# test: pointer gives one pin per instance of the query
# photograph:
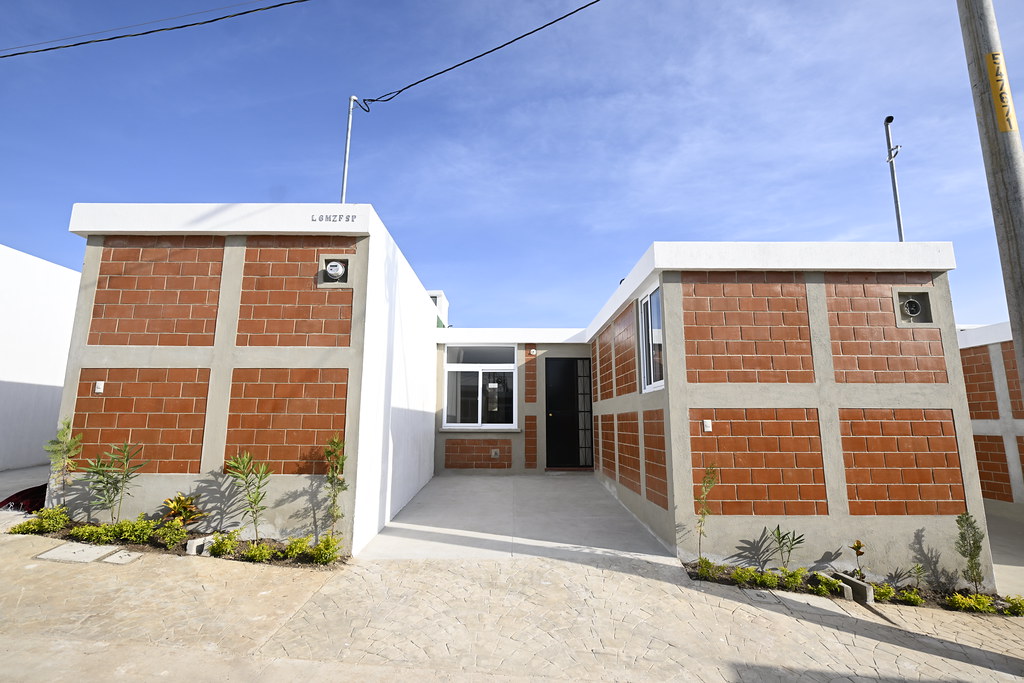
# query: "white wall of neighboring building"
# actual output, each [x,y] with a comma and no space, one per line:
[37,302]
[396,414]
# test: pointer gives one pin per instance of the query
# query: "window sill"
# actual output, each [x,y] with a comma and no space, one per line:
[478,430]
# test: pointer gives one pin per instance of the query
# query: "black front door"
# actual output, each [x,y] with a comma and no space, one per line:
[569,422]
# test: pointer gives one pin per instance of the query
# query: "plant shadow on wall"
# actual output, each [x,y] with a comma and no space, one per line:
[221,499]
[943,580]
[760,551]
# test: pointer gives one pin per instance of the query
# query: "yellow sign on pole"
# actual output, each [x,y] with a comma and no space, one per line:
[1001,97]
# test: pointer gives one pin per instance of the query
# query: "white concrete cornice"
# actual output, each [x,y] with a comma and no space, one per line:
[510,335]
[983,335]
[224,219]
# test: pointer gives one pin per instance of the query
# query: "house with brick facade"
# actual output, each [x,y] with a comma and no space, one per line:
[822,380]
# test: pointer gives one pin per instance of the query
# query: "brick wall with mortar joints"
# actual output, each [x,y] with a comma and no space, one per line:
[624,343]
[1020,450]
[746,327]
[281,304]
[157,291]
[867,346]
[1012,379]
[530,374]
[284,416]
[901,462]
[530,441]
[161,409]
[655,469]
[980,383]
[769,460]
[627,427]
[476,454]
[993,468]
[607,432]
[605,366]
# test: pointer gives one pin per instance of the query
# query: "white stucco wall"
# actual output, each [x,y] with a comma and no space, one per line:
[37,303]
[396,416]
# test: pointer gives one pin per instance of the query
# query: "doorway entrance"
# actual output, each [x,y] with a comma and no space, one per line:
[569,421]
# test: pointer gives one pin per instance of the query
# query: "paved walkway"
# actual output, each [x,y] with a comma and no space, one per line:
[584,612]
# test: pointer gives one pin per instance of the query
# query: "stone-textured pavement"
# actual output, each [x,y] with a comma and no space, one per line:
[603,617]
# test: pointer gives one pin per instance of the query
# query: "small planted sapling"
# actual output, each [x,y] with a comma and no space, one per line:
[109,479]
[183,508]
[968,544]
[703,510]
[63,449]
[784,543]
[334,455]
[858,550]
[252,479]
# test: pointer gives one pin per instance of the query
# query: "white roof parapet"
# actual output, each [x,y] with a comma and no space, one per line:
[510,335]
[795,256]
[224,219]
[983,335]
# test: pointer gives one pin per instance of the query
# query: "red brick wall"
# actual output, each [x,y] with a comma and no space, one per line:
[655,471]
[770,460]
[281,304]
[161,409]
[607,432]
[157,291]
[993,468]
[530,374]
[981,388]
[867,346]
[901,462]
[530,437]
[476,454]
[1012,380]
[746,327]
[284,416]
[628,450]
[604,369]
[624,329]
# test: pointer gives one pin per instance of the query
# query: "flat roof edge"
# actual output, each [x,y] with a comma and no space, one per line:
[983,335]
[804,256]
[510,335]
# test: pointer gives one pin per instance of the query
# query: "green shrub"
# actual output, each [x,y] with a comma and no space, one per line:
[184,508]
[765,580]
[743,576]
[791,579]
[708,570]
[29,526]
[137,531]
[104,534]
[968,544]
[224,544]
[172,533]
[257,552]
[54,519]
[909,596]
[883,592]
[971,603]
[326,551]
[297,547]
[1014,606]
[826,586]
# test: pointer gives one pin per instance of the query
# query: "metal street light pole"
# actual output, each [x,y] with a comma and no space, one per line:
[892,152]
[1001,149]
[348,143]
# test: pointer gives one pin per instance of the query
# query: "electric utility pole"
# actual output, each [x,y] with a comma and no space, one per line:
[1001,148]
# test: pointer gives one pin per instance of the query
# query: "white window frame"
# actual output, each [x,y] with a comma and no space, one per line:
[481,368]
[646,350]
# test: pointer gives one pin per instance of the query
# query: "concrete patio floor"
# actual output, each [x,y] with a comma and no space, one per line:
[472,516]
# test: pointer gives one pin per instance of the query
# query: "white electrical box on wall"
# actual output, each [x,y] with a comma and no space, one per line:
[707,426]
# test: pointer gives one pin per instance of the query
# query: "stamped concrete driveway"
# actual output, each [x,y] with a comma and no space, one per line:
[470,516]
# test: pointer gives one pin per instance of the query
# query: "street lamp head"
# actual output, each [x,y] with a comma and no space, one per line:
[888,119]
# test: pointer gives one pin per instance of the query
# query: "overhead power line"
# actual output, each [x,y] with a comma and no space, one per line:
[387,97]
[156,30]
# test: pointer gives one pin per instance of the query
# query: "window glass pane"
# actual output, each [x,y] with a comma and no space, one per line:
[486,355]
[463,396]
[657,374]
[497,392]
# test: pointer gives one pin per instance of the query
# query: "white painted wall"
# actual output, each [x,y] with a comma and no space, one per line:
[37,305]
[395,456]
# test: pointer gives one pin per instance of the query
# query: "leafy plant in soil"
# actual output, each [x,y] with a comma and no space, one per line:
[784,543]
[184,508]
[968,544]
[825,586]
[258,552]
[172,533]
[858,551]
[224,544]
[109,479]
[334,455]
[971,603]
[326,551]
[909,596]
[46,521]
[63,449]
[883,592]
[252,479]
[703,510]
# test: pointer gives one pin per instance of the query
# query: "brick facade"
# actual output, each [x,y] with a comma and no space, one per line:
[476,454]
[530,373]
[606,429]
[157,291]
[746,327]
[769,460]
[980,383]
[867,345]
[281,304]
[1012,379]
[284,416]
[655,470]
[603,365]
[624,333]
[993,468]
[901,462]
[627,428]
[161,409]
[530,439]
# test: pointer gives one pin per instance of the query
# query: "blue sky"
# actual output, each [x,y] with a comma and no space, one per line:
[527,183]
